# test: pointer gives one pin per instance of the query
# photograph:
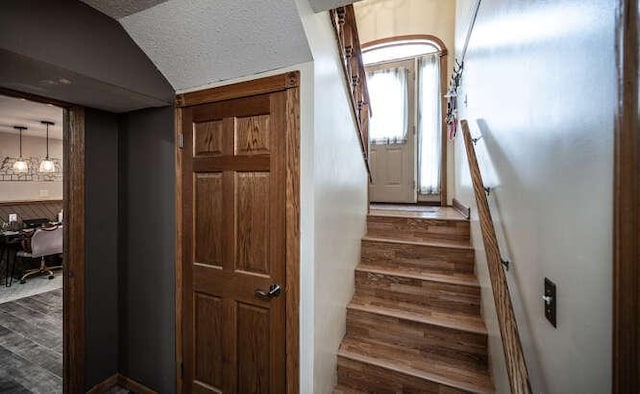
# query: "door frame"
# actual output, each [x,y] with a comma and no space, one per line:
[289,82]
[73,271]
[626,263]
[443,53]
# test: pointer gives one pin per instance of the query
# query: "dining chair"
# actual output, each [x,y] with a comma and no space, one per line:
[44,242]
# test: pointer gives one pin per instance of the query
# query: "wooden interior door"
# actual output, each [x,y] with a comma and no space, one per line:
[234,180]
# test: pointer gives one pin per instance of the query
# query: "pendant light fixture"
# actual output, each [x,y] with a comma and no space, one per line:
[47,164]
[20,166]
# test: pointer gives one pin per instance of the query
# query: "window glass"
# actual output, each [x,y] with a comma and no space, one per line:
[388,95]
[396,51]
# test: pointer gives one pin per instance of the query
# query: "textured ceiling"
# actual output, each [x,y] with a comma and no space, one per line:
[197,42]
[21,112]
[325,5]
[120,8]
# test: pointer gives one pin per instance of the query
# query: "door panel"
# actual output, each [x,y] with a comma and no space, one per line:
[253,348]
[234,244]
[209,340]
[208,138]
[394,171]
[252,135]
[208,218]
[252,222]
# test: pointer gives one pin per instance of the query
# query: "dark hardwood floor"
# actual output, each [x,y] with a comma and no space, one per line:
[31,344]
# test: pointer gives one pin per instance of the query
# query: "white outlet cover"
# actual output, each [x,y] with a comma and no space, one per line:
[13,217]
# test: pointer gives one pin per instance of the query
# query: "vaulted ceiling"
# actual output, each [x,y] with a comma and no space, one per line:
[194,43]
[198,42]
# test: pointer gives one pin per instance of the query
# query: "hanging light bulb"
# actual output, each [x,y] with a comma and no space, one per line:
[47,164]
[20,166]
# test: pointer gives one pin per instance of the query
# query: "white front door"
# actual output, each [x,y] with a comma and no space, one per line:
[392,159]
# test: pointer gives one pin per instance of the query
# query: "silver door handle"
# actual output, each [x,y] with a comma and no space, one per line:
[274,291]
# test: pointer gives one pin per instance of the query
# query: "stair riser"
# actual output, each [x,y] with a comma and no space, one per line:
[418,257]
[419,229]
[435,342]
[373,379]
[440,296]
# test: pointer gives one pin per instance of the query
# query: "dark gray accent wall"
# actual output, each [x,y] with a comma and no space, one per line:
[147,248]
[101,245]
[62,49]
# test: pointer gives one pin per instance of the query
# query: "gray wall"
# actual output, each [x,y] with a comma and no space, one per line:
[146,234]
[66,50]
[101,243]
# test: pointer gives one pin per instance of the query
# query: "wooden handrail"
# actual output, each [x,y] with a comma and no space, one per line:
[514,357]
[344,24]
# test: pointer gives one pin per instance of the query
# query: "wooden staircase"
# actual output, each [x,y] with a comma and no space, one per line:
[414,324]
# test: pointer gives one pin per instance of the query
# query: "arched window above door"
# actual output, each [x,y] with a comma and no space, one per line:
[398,48]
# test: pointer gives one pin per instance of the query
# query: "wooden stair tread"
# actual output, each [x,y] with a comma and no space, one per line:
[465,245]
[450,278]
[439,213]
[407,363]
[455,321]
[339,389]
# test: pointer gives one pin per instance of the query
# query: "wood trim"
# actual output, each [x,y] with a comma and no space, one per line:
[124,382]
[445,135]
[292,210]
[28,202]
[463,209]
[389,40]
[178,252]
[513,354]
[626,270]
[34,97]
[74,252]
[104,385]
[292,231]
[134,386]
[253,87]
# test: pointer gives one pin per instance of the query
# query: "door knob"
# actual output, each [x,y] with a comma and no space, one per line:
[274,291]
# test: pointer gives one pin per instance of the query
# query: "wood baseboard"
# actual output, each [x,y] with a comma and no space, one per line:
[463,209]
[104,385]
[122,381]
[134,386]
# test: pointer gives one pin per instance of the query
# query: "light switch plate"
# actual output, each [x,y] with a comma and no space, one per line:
[13,217]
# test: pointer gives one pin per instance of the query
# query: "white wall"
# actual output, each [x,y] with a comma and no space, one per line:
[31,147]
[340,200]
[540,80]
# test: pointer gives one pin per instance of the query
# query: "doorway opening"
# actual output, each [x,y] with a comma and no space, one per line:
[31,245]
[406,80]
[42,244]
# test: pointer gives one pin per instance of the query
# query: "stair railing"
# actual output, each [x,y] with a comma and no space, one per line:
[344,23]
[513,354]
